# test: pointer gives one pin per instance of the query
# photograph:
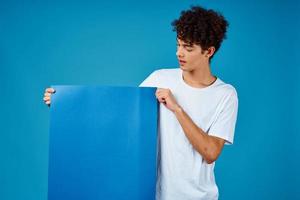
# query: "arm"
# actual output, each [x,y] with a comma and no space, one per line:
[209,147]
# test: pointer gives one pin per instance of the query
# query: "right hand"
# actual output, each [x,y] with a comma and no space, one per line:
[47,95]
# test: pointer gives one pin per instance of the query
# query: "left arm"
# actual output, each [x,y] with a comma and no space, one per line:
[208,146]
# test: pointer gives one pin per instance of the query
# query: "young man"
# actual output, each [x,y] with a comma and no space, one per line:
[198,111]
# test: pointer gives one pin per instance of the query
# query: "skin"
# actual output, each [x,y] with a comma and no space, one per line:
[196,73]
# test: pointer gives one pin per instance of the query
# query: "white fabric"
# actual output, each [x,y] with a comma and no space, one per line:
[182,172]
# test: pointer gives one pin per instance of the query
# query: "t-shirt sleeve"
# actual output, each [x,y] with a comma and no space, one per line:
[150,81]
[224,125]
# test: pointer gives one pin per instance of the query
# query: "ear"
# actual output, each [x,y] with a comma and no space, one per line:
[210,51]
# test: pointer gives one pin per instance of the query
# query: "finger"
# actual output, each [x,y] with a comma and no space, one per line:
[50,90]
[162,95]
[48,102]
[163,102]
[157,95]
[161,99]
[158,90]
[46,98]
[47,94]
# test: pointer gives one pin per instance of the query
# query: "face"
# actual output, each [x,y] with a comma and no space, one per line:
[190,56]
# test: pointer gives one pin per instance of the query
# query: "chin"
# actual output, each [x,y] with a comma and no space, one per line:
[184,68]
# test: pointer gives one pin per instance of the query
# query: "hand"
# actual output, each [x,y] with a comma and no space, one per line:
[166,97]
[47,95]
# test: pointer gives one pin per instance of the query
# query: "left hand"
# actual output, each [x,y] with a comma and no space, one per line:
[166,97]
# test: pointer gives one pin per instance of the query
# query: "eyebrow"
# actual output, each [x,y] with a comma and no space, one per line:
[186,45]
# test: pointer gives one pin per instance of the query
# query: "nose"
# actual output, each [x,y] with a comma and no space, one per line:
[179,53]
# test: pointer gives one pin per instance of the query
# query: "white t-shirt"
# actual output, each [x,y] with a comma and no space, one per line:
[182,173]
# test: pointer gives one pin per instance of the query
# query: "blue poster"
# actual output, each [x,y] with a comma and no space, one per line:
[102,143]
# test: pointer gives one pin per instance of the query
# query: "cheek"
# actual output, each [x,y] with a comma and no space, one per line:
[197,58]
[192,58]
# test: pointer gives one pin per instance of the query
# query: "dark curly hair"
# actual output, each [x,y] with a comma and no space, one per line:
[202,27]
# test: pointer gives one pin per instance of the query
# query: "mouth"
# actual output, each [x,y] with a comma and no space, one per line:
[182,61]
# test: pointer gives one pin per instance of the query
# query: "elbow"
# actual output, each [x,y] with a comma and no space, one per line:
[211,153]
[210,160]
[211,157]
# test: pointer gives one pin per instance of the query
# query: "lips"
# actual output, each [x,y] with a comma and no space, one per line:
[182,61]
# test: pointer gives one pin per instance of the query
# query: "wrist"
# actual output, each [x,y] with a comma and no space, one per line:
[178,109]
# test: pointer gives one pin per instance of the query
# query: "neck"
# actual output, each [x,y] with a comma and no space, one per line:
[200,77]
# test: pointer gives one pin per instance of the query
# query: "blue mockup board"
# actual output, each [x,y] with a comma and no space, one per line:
[102,143]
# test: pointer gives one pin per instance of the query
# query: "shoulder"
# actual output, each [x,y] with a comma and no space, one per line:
[165,72]
[228,90]
[158,77]
[167,75]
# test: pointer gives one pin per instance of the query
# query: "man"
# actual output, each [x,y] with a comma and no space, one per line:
[198,111]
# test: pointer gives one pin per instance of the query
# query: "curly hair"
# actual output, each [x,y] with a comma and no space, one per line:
[202,27]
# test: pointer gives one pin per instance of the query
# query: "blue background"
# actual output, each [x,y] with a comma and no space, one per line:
[120,43]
